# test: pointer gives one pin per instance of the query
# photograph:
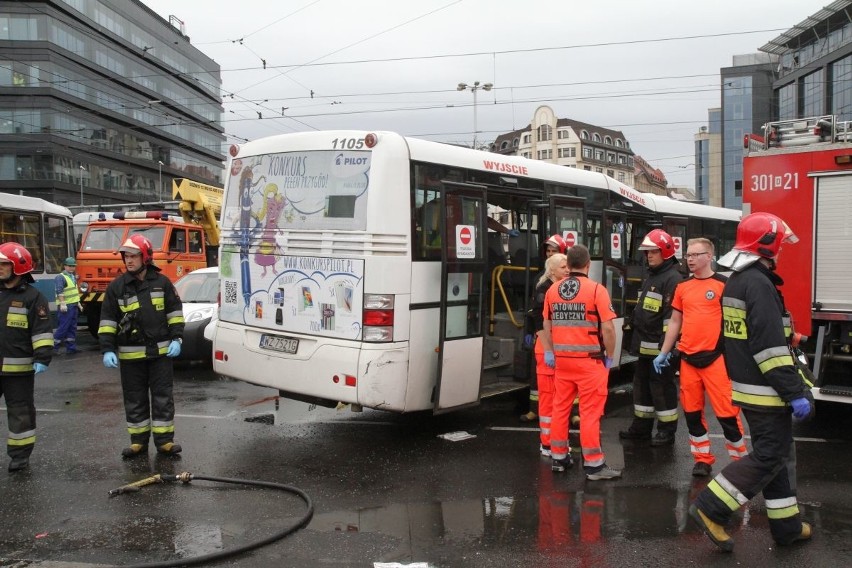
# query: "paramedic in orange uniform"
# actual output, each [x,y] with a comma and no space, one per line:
[578,341]
[555,269]
[697,316]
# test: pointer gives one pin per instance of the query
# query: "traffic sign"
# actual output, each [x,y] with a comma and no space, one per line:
[570,238]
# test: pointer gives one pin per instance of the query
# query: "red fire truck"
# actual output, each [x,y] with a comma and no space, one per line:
[801,170]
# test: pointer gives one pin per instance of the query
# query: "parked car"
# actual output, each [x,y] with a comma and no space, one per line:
[199,292]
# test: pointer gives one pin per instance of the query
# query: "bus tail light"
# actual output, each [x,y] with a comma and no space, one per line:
[348,380]
[378,317]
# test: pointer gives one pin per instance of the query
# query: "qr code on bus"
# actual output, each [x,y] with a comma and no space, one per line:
[230,292]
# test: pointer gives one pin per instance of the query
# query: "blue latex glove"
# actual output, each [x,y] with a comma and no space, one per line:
[39,368]
[550,359]
[529,339]
[661,360]
[514,233]
[801,408]
[174,349]
[110,360]
[608,362]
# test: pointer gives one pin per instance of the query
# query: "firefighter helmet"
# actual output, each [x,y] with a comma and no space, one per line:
[556,241]
[659,239]
[762,234]
[138,244]
[20,257]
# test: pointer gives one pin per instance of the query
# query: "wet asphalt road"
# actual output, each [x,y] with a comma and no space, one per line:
[385,487]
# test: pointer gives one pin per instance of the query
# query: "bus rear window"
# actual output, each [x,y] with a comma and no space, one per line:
[318,189]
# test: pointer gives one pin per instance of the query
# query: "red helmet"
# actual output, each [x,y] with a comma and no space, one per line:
[556,241]
[137,244]
[762,234]
[21,259]
[659,239]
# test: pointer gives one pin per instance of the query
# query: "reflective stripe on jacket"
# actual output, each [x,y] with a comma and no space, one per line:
[650,318]
[26,332]
[757,356]
[140,317]
[575,307]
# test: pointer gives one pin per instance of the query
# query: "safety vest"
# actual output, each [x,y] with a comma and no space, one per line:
[72,296]
[573,313]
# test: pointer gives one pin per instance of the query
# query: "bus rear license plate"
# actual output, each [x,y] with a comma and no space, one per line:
[279,343]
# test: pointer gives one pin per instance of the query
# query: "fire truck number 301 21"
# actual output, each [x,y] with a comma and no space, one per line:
[769,182]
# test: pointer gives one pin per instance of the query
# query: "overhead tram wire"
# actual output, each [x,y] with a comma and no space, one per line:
[530,50]
[315,63]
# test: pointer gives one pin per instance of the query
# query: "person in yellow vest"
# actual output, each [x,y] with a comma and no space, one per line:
[68,306]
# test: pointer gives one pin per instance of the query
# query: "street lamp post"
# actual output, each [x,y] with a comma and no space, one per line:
[82,169]
[160,166]
[473,88]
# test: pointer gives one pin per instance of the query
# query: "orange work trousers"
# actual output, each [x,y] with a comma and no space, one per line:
[587,378]
[544,375]
[714,382]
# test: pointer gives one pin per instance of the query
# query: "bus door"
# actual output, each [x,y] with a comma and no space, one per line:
[463,267]
[568,218]
[616,273]
[616,254]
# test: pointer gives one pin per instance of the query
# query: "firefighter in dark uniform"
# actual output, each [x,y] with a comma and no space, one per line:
[766,385]
[142,320]
[655,395]
[26,346]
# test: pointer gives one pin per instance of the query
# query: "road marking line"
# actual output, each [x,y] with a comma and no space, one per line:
[817,440]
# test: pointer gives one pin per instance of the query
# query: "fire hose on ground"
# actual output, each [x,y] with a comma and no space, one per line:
[187,477]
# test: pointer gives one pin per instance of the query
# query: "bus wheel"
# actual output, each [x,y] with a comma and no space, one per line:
[93,318]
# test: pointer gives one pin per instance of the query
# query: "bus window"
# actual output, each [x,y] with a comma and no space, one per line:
[24,228]
[593,236]
[570,220]
[427,226]
[55,243]
[727,238]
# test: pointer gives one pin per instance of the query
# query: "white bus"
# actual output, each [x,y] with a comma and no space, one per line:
[45,229]
[357,267]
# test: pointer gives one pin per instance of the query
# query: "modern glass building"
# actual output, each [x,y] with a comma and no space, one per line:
[815,65]
[103,101]
[746,107]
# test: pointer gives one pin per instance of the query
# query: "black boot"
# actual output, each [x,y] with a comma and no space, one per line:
[18,464]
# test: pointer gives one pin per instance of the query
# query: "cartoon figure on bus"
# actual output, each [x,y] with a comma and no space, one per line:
[245,228]
[273,205]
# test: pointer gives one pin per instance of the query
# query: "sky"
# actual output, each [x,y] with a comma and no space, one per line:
[648,68]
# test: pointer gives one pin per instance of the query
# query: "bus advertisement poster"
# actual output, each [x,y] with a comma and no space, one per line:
[308,294]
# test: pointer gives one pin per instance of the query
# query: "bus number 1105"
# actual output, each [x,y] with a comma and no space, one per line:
[347,143]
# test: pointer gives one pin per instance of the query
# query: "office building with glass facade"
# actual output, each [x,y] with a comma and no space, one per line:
[746,107]
[104,101]
[814,72]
